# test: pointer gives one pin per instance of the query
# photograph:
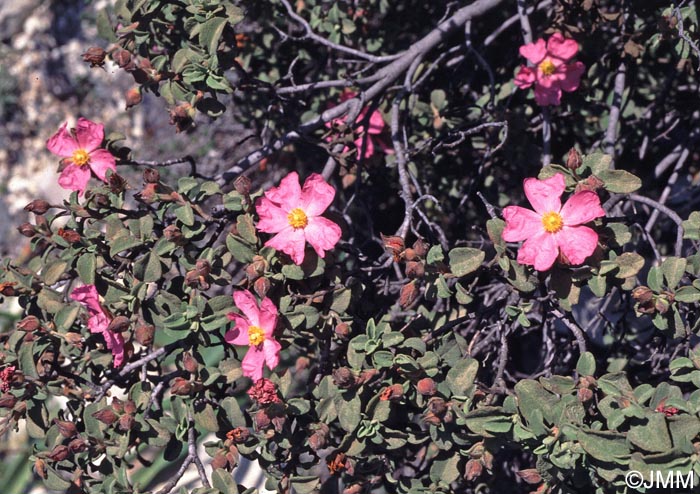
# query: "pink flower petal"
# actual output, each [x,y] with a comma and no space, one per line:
[572,77]
[540,251]
[253,362]
[561,48]
[521,224]
[98,322]
[582,207]
[115,343]
[89,134]
[62,142]
[87,295]
[316,195]
[271,349]
[268,316]
[272,218]
[364,141]
[545,195]
[322,234]
[290,241]
[376,123]
[246,302]
[102,160]
[525,77]
[288,194]
[546,96]
[577,242]
[238,335]
[534,52]
[75,178]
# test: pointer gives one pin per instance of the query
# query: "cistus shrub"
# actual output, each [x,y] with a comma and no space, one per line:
[347,303]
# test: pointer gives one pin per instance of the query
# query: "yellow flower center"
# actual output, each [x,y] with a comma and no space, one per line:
[80,157]
[297,218]
[547,67]
[552,222]
[255,335]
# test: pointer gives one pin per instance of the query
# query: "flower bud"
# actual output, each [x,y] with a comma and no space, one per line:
[183,387]
[242,185]
[393,245]
[100,200]
[151,176]
[59,453]
[421,247]
[342,330]
[27,229]
[437,406]
[122,58]
[592,183]
[95,56]
[473,469]
[426,387]
[37,206]
[70,236]
[337,463]
[7,288]
[133,97]
[642,294]
[415,269]
[40,468]
[174,234]
[182,117]
[410,255]
[126,421]
[29,324]
[78,445]
[262,421]
[219,461]
[189,363]
[75,339]
[392,393]
[65,428]
[143,334]
[584,395]
[408,295]
[106,415]
[573,160]
[118,405]
[344,378]
[261,287]
[119,324]
[530,475]
[130,406]
[117,184]
[302,363]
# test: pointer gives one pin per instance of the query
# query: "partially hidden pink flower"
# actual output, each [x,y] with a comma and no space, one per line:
[551,73]
[254,328]
[6,378]
[551,228]
[99,321]
[294,214]
[81,153]
[368,138]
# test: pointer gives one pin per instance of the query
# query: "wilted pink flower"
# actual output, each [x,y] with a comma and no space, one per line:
[264,392]
[552,228]
[6,378]
[99,321]
[80,150]
[551,73]
[294,214]
[254,328]
[376,127]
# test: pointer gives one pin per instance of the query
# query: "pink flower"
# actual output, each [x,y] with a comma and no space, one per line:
[551,73]
[294,214]
[80,150]
[255,328]
[370,135]
[552,228]
[99,321]
[6,378]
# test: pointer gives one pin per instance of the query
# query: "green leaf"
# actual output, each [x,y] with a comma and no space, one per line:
[86,267]
[655,279]
[653,436]
[435,255]
[688,294]
[123,242]
[445,471]
[185,214]
[304,484]
[223,481]
[210,33]
[604,446]
[673,269]
[349,412]
[586,364]
[629,264]
[205,417]
[465,260]
[597,162]
[460,378]
[53,272]
[620,181]
[233,412]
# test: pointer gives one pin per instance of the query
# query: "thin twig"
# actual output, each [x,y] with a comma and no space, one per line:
[614,114]
[546,136]
[573,327]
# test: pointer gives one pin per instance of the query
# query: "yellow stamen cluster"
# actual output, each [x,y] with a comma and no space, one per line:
[80,157]
[297,218]
[255,335]
[552,222]
[547,67]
